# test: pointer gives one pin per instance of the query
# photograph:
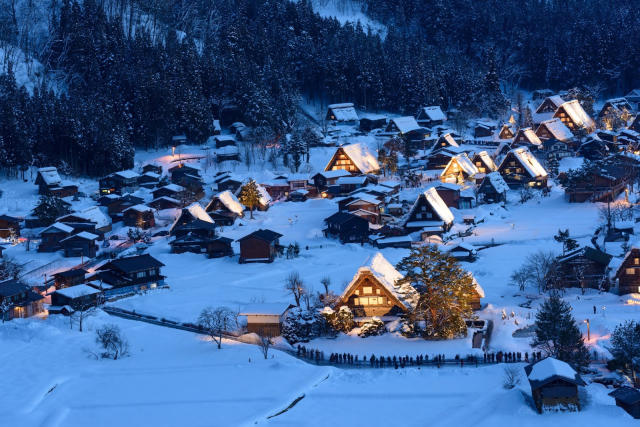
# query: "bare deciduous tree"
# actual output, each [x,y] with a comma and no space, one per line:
[295,286]
[265,344]
[80,313]
[326,282]
[114,344]
[216,321]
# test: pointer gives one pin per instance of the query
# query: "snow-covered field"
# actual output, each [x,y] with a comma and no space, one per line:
[177,378]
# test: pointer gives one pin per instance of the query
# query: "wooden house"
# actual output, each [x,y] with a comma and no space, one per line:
[550,104]
[228,153]
[574,117]
[130,274]
[227,182]
[625,273]
[149,180]
[178,140]
[554,385]
[445,141]
[91,215]
[182,169]
[593,149]
[354,158]
[405,126]
[323,180]
[554,129]
[76,297]
[627,398]
[484,129]
[174,191]
[633,97]
[140,216]
[343,113]
[584,268]
[371,206]
[371,122]
[119,182]
[526,137]
[493,189]
[192,184]
[51,236]
[374,291]
[152,167]
[429,210]
[49,183]
[278,188]
[265,319]
[165,202]
[462,251]
[475,299]
[213,247]
[440,158]
[635,124]
[348,184]
[615,113]
[483,162]
[430,116]
[82,244]
[9,226]
[222,141]
[520,168]
[23,300]
[602,184]
[259,246]
[224,208]
[449,193]
[459,170]
[66,278]
[189,214]
[506,132]
[349,228]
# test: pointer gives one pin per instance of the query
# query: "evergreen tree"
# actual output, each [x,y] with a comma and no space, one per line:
[250,196]
[50,208]
[625,346]
[444,292]
[557,333]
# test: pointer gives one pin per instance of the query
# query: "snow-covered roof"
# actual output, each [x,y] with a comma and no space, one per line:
[406,124]
[497,182]
[477,286]
[335,173]
[559,130]
[265,309]
[58,226]
[434,113]
[351,180]
[549,367]
[152,175]
[369,198]
[173,187]
[138,208]
[449,140]
[530,136]
[50,175]
[439,206]
[265,197]
[362,157]
[529,162]
[96,215]
[128,174]
[465,164]
[486,158]
[83,235]
[556,100]
[387,275]
[197,211]
[230,201]
[229,150]
[577,114]
[77,291]
[344,112]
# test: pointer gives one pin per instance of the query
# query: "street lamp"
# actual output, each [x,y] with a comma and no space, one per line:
[588,329]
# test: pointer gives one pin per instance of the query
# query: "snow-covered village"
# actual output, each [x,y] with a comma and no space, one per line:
[193,233]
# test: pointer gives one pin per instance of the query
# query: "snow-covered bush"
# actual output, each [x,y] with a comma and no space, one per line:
[372,327]
[303,325]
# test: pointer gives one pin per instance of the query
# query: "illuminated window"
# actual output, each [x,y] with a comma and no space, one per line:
[377,291]
[364,301]
[636,261]
[630,271]
[357,292]
[367,290]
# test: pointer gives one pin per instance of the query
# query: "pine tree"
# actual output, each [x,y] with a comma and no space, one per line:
[50,208]
[557,333]
[250,196]
[444,292]
[625,346]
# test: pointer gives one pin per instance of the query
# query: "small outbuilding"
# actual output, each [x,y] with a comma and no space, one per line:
[259,246]
[554,385]
[628,398]
[265,319]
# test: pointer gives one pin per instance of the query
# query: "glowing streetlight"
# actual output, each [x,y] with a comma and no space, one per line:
[588,329]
